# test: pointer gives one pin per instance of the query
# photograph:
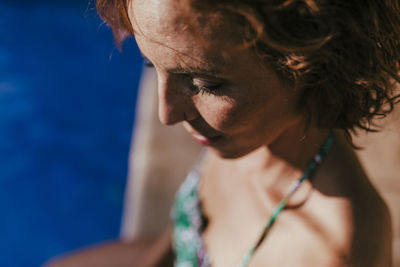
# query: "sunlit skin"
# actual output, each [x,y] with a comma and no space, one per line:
[247,117]
[247,105]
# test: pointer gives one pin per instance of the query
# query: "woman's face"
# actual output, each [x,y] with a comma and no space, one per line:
[226,99]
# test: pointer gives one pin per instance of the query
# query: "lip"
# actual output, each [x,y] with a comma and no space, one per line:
[201,139]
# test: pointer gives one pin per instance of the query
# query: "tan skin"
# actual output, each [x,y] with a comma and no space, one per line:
[258,146]
[337,219]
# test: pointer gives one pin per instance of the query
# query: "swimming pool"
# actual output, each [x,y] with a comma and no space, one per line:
[67,100]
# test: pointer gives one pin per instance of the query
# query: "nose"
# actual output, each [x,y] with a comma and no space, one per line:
[175,103]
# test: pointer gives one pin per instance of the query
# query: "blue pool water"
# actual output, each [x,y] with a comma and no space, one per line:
[67,99]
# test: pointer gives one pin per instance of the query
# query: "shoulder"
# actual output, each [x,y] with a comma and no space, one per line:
[356,230]
[372,231]
[363,221]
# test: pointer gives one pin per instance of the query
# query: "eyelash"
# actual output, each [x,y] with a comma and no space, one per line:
[209,90]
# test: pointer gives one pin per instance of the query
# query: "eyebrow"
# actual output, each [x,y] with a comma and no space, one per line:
[190,70]
[195,71]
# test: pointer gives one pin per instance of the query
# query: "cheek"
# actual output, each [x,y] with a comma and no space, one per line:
[249,115]
[227,116]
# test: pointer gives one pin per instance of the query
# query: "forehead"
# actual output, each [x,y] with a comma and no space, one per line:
[154,17]
[164,23]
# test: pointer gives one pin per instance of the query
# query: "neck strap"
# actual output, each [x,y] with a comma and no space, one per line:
[293,188]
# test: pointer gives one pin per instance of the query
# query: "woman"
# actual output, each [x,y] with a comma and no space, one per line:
[272,90]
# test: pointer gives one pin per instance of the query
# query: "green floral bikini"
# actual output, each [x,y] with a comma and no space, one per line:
[189,223]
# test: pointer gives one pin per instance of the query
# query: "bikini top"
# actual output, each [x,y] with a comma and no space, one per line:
[189,222]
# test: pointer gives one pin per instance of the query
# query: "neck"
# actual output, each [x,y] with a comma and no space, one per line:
[294,148]
[271,169]
[297,147]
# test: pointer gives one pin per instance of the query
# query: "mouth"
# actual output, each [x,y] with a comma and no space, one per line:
[203,140]
[202,134]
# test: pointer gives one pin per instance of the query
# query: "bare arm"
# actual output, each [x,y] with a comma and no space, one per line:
[140,253]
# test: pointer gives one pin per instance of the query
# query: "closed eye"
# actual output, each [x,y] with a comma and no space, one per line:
[207,86]
[209,89]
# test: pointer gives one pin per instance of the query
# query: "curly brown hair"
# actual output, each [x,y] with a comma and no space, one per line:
[342,56]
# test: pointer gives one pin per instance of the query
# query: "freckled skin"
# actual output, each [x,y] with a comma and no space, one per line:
[263,139]
[253,107]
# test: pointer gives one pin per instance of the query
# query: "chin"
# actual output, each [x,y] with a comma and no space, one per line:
[231,154]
